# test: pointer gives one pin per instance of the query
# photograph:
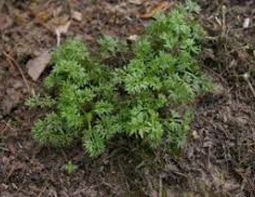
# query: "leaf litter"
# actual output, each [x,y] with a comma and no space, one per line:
[37,65]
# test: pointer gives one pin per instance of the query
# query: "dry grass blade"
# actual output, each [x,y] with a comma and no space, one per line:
[246,78]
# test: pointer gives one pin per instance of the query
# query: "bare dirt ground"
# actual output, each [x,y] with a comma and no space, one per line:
[219,159]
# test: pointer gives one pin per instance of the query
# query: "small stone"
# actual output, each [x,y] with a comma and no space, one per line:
[246,22]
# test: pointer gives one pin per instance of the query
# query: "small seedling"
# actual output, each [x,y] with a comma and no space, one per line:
[70,167]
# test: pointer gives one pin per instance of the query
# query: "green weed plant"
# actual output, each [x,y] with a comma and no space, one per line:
[70,167]
[150,97]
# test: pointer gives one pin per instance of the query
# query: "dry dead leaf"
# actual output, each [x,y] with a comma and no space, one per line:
[42,17]
[136,2]
[76,15]
[35,188]
[57,21]
[62,29]
[37,65]
[157,7]
[195,134]
[5,22]
[20,17]
[57,11]
[11,148]
[133,37]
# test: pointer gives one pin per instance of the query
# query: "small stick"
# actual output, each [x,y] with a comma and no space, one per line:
[251,88]
[4,149]
[7,125]
[13,62]
[160,187]
[246,78]
[223,20]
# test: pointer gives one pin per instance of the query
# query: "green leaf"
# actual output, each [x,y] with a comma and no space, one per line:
[103,107]
[70,167]
[71,50]
[93,142]
[108,45]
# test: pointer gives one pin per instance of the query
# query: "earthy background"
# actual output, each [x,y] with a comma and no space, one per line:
[219,159]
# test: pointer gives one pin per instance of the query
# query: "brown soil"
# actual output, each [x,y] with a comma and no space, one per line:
[219,159]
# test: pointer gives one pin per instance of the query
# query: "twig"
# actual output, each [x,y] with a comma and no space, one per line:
[160,187]
[10,173]
[7,125]
[4,149]
[11,61]
[246,77]
[250,86]
[42,191]
[242,28]
[223,20]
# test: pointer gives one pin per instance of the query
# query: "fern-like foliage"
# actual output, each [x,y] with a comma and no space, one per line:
[149,97]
